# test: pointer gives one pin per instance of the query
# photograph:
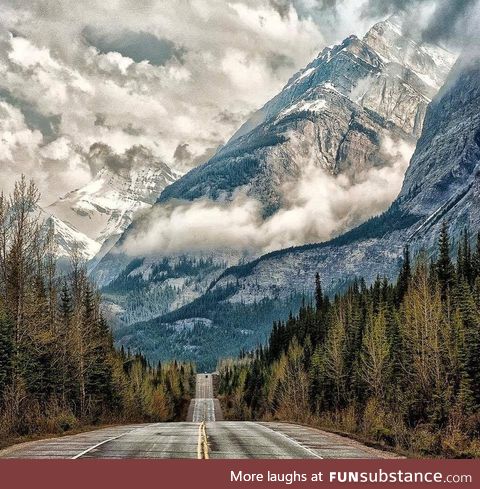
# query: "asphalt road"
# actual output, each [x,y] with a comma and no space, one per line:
[204,407]
[221,439]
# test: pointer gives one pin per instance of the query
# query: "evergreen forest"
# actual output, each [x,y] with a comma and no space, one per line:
[59,370]
[393,363]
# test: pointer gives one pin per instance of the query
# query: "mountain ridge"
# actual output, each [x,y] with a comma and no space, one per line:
[442,184]
[391,97]
[431,192]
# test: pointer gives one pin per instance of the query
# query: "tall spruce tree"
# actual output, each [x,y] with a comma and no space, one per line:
[400,362]
[444,266]
[404,276]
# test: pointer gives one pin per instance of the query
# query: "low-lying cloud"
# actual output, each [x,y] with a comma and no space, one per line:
[317,207]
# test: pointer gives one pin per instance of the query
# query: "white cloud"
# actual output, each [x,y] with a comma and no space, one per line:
[56,165]
[220,57]
[221,61]
[25,54]
[317,207]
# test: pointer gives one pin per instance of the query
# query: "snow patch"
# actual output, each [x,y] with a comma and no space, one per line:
[314,106]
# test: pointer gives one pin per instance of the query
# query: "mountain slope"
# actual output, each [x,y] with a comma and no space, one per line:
[67,238]
[336,116]
[442,183]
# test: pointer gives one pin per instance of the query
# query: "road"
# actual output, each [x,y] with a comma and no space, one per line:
[204,407]
[203,435]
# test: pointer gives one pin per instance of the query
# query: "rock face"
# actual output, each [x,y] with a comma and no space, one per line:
[334,114]
[103,209]
[442,183]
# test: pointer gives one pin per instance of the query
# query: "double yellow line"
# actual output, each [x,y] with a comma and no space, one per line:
[202,446]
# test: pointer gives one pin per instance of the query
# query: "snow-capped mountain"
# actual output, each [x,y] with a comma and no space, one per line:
[442,184]
[335,114]
[105,207]
[67,238]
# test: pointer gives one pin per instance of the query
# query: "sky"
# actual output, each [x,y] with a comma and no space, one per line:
[177,77]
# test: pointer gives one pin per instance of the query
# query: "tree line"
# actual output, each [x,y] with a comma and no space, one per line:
[397,363]
[58,365]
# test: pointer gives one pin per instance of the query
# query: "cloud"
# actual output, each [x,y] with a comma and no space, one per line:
[435,20]
[444,21]
[151,74]
[317,207]
[182,154]
[138,46]
[23,149]
[164,75]
[48,125]
[102,156]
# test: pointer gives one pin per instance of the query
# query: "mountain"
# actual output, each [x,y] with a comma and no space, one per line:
[441,184]
[105,207]
[334,114]
[67,238]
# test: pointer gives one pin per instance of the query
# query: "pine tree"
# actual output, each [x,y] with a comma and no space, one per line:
[6,352]
[476,259]
[334,360]
[375,356]
[398,359]
[57,359]
[471,328]
[444,266]
[404,276]
[318,293]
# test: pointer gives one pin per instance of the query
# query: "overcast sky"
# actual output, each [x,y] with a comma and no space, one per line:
[176,76]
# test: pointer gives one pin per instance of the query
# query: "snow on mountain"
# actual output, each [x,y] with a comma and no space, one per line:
[383,49]
[67,238]
[441,184]
[341,107]
[105,207]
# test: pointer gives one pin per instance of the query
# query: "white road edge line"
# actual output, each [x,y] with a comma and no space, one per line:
[292,440]
[98,445]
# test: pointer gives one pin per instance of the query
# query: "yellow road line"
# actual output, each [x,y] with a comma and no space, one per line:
[202,443]
[199,442]
[205,443]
